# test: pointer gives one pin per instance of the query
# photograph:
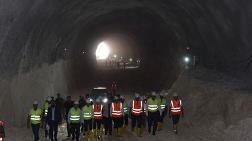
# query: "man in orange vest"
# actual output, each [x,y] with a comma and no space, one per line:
[97,109]
[136,114]
[117,116]
[175,111]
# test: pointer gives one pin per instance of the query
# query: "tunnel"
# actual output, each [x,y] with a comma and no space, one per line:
[48,47]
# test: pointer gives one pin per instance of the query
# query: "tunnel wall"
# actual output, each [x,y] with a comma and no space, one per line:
[18,94]
[33,35]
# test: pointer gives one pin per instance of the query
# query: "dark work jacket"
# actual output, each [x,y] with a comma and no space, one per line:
[57,115]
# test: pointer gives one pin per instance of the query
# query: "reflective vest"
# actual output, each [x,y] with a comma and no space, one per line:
[125,108]
[87,112]
[152,105]
[163,103]
[46,106]
[116,109]
[35,116]
[97,111]
[176,107]
[74,115]
[137,107]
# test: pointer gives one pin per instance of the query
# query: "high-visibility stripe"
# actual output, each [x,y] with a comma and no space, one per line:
[176,109]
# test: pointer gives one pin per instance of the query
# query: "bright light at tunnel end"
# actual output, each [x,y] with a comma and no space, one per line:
[102,51]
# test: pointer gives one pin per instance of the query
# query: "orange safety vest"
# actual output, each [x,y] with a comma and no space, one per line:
[117,110]
[137,107]
[97,108]
[176,107]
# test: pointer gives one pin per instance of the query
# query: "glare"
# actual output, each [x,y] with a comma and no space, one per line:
[186,59]
[115,55]
[105,100]
[102,51]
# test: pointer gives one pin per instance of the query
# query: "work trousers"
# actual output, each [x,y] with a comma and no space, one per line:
[75,130]
[87,125]
[53,130]
[68,127]
[107,122]
[118,122]
[35,130]
[153,118]
[136,120]
[97,124]
[126,119]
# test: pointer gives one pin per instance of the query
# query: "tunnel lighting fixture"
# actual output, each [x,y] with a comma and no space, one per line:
[115,56]
[186,59]
[102,51]
[130,59]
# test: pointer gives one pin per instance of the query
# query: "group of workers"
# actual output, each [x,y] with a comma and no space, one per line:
[102,115]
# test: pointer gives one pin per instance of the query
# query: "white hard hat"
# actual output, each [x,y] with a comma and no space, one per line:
[88,100]
[122,97]
[153,93]
[76,102]
[137,95]
[35,103]
[49,98]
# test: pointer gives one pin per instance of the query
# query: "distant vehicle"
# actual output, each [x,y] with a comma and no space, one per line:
[100,92]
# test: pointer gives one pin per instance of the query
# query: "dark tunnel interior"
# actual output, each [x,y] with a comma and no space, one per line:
[156,44]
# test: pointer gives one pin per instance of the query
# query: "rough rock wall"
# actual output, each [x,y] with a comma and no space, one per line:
[18,94]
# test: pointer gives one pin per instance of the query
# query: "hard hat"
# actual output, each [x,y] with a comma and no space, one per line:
[35,103]
[137,95]
[88,101]
[76,102]
[175,94]
[153,93]
[122,97]
[49,98]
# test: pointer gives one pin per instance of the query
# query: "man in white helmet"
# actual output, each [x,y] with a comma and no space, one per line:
[74,118]
[34,118]
[86,119]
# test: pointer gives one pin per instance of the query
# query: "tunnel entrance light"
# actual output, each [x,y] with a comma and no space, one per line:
[102,51]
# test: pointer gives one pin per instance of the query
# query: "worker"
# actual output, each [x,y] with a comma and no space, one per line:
[175,111]
[68,105]
[53,120]
[2,133]
[125,111]
[163,109]
[106,116]
[136,114]
[74,120]
[97,109]
[86,119]
[153,113]
[34,119]
[60,103]
[44,117]
[117,116]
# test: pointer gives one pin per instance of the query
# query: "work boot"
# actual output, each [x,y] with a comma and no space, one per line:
[120,132]
[95,132]
[139,132]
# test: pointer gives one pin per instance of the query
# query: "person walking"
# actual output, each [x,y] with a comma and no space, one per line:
[117,116]
[175,111]
[34,119]
[136,114]
[97,121]
[74,116]
[106,116]
[153,113]
[53,120]
[86,119]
